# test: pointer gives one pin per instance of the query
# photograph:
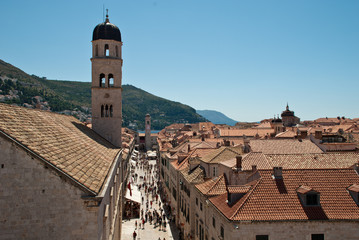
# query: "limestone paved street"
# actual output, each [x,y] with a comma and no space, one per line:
[150,231]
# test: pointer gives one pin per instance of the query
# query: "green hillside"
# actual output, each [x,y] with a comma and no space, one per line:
[17,87]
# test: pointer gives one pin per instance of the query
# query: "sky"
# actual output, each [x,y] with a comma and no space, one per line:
[244,58]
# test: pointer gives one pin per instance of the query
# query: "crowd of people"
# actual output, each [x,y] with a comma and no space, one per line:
[145,177]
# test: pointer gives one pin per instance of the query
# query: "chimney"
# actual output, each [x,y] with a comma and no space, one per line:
[318,134]
[239,162]
[254,168]
[303,134]
[277,172]
[188,148]
[218,144]
[246,147]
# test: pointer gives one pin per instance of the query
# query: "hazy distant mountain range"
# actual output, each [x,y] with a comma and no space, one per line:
[216,117]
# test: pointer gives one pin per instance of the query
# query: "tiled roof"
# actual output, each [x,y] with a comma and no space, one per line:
[295,161]
[194,176]
[238,189]
[258,159]
[213,187]
[249,132]
[222,154]
[264,125]
[62,141]
[304,189]
[277,199]
[286,134]
[284,146]
[313,161]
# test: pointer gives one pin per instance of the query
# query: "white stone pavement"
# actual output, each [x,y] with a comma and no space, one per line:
[149,232]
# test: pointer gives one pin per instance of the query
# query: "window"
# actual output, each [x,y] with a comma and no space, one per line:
[213,222]
[106,110]
[197,201]
[312,199]
[102,80]
[222,232]
[317,236]
[110,80]
[214,171]
[102,111]
[200,206]
[116,51]
[107,50]
[196,227]
[111,111]
[96,50]
[262,237]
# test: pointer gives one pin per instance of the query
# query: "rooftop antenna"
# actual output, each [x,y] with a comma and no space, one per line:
[103,12]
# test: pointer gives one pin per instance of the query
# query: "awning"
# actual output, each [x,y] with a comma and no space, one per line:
[136,195]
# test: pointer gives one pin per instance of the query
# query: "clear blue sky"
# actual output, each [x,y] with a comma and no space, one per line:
[246,59]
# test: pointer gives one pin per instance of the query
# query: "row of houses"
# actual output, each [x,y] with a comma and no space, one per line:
[223,184]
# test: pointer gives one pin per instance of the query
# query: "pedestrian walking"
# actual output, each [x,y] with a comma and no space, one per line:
[134,235]
[136,224]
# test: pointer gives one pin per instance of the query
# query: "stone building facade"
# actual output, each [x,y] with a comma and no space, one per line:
[59,178]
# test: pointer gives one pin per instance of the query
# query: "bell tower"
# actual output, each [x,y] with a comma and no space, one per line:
[148,132]
[106,87]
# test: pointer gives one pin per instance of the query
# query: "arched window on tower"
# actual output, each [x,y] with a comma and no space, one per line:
[111,111]
[110,80]
[106,110]
[102,80]
[96,50]
[102,111]
[116,51]
[107,50]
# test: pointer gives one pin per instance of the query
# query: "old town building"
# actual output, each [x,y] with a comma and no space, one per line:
[259,187]
[59,178]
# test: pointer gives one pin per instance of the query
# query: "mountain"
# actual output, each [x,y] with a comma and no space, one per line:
[74,98]
[216,117]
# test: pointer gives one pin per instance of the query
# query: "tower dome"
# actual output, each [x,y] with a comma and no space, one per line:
[106,30]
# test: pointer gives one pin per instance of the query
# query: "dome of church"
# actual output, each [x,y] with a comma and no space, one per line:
[106,30]
[276,120]
[287,112]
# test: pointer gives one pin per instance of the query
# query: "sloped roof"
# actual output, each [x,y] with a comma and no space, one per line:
[277,200]
[286,134]
[295,161]
[247,132]
[194,176]
[284,146]
[213,187]
[63,141]
[222,154]
[313,161]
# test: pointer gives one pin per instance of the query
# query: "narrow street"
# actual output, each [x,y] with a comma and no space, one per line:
[144,188]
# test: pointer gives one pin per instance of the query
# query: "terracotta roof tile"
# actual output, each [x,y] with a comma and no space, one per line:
[222,154]
[249,132]
[194,176]
[213,187]
[277,199]
[61,140]
[284,146]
